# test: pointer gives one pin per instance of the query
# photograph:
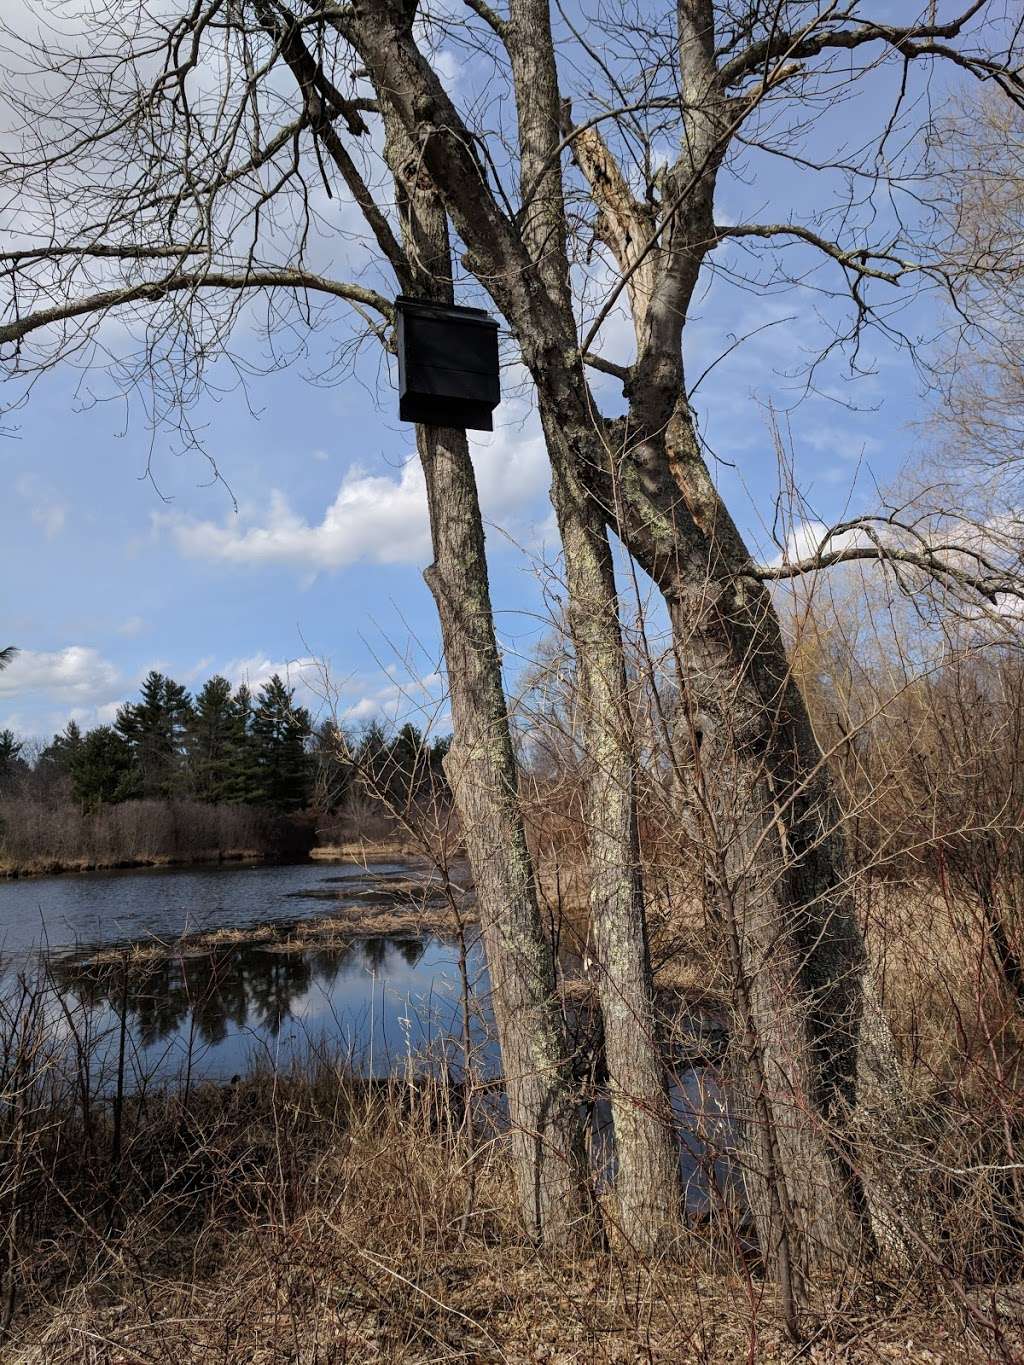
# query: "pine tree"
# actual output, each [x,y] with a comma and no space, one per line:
[372,758]
[208,740]
[154,729]
[280,731]
[63,749]
[52,773]
[242,769]
[101,767]
[403,768]
[331,767]
[11,762]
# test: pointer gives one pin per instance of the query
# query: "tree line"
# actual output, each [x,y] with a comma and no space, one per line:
[224,745]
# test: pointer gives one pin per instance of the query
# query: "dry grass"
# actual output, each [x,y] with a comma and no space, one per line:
[45,867]
[40,837]
[368,851]
[938,981]
[312,1218]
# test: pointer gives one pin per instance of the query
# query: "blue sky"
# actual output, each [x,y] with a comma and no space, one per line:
[111,573]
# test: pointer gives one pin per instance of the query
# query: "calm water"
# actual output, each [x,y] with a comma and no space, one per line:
[376,1001]
[210,1011]
[385,1002]
[109,907]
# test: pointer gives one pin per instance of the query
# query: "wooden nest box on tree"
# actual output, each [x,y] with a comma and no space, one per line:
[447,364]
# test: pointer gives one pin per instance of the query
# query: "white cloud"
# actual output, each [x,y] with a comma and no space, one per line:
[98,715]
[396,701]
[512,469]
[134,625]
[845,444]
[51,518]
[258,669]
[448,68]
[392,696]
[374,518]
[314,686]
[76,674]
[805,539]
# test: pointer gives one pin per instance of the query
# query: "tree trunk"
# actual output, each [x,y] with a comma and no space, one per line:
[546,1126]
[545,1118]
[787,869]
[647,1185]
[647,1180]
[774,853]
[774,822]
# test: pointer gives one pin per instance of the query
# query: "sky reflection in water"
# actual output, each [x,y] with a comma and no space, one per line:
[379,1002]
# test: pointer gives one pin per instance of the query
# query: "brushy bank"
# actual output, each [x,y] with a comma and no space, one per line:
[39,837]
[311,1218]
[314,1217]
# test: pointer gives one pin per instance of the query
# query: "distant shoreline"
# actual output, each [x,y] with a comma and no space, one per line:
[56,867]
[357,851]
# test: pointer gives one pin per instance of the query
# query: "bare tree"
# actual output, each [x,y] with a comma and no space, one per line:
[481,768]
[174,171]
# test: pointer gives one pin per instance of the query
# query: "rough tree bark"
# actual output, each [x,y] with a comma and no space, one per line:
[546,1124]
[647,1184]
[800,957]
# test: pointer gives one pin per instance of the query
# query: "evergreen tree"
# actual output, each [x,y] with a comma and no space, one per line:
[280,731]
[63,749]
[403,768]
[209,737]
[101,768]
[409,759]
[372,757]
[242,783]
[331,767]
[154,730]
[11,762]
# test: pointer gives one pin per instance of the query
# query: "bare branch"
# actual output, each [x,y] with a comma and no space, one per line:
[103,250]
[153,290]
[598,362]
[955,564]
[913,40]
[857,260]
[316,89]
[489,16]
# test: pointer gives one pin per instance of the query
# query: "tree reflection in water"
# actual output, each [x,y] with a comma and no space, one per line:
[216,990]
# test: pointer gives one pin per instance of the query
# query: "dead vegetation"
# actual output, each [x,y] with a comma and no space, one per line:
[40,836]
[314,1217]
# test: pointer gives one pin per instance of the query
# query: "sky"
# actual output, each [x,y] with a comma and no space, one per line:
[305,555]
